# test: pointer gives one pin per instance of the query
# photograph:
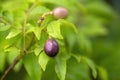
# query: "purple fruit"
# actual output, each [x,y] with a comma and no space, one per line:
[51,47]
[60,13]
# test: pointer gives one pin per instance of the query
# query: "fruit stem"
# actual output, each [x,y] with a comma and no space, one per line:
[42,18]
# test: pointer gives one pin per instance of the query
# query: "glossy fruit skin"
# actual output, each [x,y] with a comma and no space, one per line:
[51,47]
[60,13]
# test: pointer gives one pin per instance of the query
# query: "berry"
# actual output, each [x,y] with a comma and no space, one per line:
[60,13]
[51,47]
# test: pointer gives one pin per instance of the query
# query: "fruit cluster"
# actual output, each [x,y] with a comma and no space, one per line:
[51,46]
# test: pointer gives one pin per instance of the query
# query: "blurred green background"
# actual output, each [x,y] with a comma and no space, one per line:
[107,49]
[104,50]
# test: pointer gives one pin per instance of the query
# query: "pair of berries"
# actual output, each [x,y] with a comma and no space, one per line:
[51,46]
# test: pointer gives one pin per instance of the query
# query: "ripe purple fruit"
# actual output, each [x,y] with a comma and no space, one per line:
[51,47]
[60,13]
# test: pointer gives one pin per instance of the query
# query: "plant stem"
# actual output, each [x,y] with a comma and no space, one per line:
[24,26]
[17,59]
[3,21]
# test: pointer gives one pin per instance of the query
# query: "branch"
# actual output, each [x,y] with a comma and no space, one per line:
[16,60]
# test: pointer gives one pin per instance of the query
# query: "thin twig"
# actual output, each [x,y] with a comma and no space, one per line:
[24,26]
[3,21]
[16,60]
[42,18]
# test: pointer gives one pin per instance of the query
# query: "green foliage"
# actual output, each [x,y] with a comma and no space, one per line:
[60,68]
[2,61]
[4,27]
[91,65]
[53,30]
[102,73]
[20,33]
[32,66]
[13,33]
[43,60]
[77,71]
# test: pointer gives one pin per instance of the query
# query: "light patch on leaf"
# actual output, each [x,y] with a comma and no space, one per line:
[39,10]
[13,33]
[77,57]
[37,32]
[32,66]
[29,28]
[68,24]
[102,73]
[53,30]
[35,29]
[43,60]
[91,65]
[2,61]
[60,68]
[37,50]
[4,27]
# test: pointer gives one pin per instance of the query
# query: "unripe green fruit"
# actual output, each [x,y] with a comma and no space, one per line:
[51,47]
[60,13]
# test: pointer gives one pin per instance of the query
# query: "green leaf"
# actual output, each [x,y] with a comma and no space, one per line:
[37,31]
[18,66]
[102,73]
[68,24]
[91,65]
[29,28]
[13,33]
[2,61]
[60,68]
[38,50]
[8,16]
[77,71]
[36,13]
[77,57]
[43,60]
[19,16]
[69,32]
[39,10]
[3,41]
[13,52]
[32,66]
[53,29]
[4,27]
